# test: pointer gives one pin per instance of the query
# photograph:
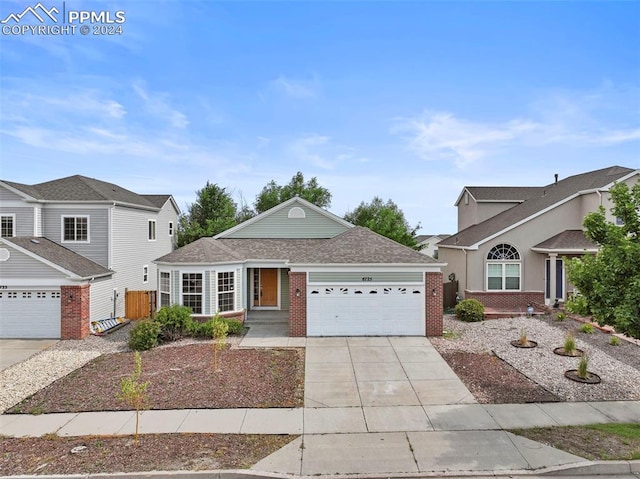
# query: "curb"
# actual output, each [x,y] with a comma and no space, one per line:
[595,468]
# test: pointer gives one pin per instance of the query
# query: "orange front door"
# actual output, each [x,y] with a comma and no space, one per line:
[269,287]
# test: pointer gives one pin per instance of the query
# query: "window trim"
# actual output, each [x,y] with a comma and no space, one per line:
[75,217]
[201,293]
[170,228]
[220,292]
[503,263]
[13,224]
[163,292]
[152,233]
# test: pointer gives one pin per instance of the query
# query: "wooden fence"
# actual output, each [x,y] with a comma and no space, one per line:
[139,304]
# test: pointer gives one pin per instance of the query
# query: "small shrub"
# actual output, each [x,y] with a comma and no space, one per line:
[174,321]
[144,335]
[614,341]
[561,317]
[583,366]
[577,304]
[587,328]
[523,337]
[234,326]
[199,329]
[470,310]
[569,344]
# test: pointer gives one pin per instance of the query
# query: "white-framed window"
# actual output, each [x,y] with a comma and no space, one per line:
[152,230]
[503,268]
[75,229]
[165,289]
[226,291]
[7,226]
[192,291]
[145,274]
[170,228]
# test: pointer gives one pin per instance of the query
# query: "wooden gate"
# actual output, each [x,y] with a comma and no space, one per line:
[139,304]
[449,295]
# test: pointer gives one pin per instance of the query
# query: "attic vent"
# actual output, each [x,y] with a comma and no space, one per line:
[35,241]
[297,212]
[4,254]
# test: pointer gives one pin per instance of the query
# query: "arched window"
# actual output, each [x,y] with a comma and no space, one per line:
[503,268]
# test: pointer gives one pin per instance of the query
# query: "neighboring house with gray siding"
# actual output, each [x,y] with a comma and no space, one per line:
[71,247]
[509,250]
[330,277]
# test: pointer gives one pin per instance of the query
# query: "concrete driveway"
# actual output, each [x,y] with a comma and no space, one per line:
[13,351]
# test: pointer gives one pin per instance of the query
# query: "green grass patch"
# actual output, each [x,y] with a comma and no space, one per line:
[628,431]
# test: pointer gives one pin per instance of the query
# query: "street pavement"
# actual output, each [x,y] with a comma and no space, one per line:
[372,406]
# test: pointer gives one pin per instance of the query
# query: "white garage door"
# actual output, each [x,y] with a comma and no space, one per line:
[29,314]
[348,310]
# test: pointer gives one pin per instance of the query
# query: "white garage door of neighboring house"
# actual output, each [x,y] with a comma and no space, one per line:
[30,313]
[347,310]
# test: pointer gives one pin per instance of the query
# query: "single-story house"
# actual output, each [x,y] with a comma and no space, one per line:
[333,278]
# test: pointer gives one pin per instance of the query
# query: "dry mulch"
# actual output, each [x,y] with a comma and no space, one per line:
[155,452]
[493,381]
[180,377]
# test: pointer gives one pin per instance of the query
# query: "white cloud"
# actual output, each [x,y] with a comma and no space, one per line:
[576,119]
[158,105]
[296,88]
[320,151]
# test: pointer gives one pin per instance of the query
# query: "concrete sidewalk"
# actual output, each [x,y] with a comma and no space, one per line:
[372,406]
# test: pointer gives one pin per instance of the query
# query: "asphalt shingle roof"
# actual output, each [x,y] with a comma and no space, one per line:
[81,188]
[58,254]
[356,245]
[504,193]
[548,196]
[568,240]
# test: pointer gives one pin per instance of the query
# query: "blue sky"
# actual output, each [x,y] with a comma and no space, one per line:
[405,100]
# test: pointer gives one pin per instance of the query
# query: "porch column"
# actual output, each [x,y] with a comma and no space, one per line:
[552,277]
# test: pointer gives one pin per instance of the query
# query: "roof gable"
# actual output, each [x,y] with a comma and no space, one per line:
[550,196]
[80,188]
[58,257]
[500,194]
[294,218]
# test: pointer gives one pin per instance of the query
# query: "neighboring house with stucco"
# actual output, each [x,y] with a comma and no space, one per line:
[329,277]
[511,241]
[71,247]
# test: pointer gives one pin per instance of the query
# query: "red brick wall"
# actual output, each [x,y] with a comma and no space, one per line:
[239,315]
[506,300]
[74,311]
[433,304]
[298,305]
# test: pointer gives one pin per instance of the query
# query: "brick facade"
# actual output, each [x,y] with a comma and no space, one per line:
[74,311]
[298,304]
[433,304]
[506,300]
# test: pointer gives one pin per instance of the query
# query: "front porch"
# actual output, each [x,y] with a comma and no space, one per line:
[269,329]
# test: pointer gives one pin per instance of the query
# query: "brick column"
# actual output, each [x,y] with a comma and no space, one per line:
[433,304]
[74,311]
[298,304]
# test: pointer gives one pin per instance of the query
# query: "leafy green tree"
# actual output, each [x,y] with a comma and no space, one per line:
[273,194]
[213,212]
[134,392]
[610,280]
[385,219]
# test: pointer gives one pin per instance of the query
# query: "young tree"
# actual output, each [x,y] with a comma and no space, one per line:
[385,219]
[220,331]
[134,392]
[213,212]
[273,194]
[610,280]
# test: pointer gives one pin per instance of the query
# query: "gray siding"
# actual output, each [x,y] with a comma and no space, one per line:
[20,266]
[357,277]
[24,219]
[6,195]
[284,289]
[131,248]
[279,225]
[101,297]
[97,247]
